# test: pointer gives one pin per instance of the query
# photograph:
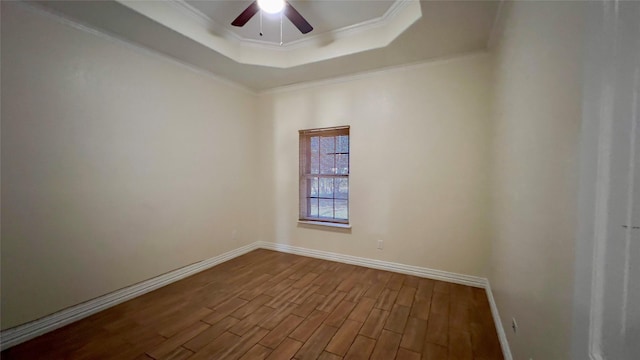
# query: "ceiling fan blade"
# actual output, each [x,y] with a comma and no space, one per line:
[294,16]
[246,15]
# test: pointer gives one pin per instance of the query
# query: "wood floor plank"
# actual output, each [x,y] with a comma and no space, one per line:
[461,293]
[331,301]
[405,296]
[210,334]
[342,340]
[250,321]
[434,352]
[310,304]
[286,350]
[280,332]
[339,314]
[309,326]
[460,345]
[252,293]
[224,309]
[217,348]
[284,298]
[304,294]
[459,316]
[411,281]
[440,304]
[251,306]
[169,345]
[404,354]
[395,282]
[329,356]
[304,281]
[438,330]
[145,357]
[414,335]
[278,316]
[425,289]
[173,324]
[356,292]
[246,342]
[363,308]
[275,290]
[348,283]
[361,348]
[386,299]
[386,346]
[329,286]
[313,347]
[271,305]
[483,343]
[179,353]
[374,291]
[420,309]
[442,287]
[397,318]
[374,323]
[257,352]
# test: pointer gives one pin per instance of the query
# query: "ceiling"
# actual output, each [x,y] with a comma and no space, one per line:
[324,15]
[358,40]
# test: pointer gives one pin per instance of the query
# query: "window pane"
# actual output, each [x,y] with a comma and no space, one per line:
[313,187]
[342,144]
[313,207]
[326,188]
[327,164]
[342,164]
[315,154]
[342,209]
[324,171]
[326,208]
[342,188]
[327,155]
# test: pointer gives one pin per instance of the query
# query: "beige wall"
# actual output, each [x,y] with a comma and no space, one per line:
[535,147]
[117,165]
[419,150]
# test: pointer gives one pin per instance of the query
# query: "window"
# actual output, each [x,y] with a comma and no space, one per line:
[324,175]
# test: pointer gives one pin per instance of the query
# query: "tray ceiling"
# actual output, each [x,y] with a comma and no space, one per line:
[439,29]
[325,16]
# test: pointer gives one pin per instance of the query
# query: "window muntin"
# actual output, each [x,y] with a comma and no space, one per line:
[324,175]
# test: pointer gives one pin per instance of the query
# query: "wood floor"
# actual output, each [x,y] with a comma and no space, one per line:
[271,305]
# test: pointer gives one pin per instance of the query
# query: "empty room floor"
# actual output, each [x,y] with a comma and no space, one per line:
[271,305]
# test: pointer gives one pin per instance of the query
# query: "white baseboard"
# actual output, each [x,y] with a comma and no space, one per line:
[22,333]
[502,336]
[378,264]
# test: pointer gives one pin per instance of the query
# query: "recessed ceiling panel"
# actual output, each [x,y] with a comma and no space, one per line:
[324,15]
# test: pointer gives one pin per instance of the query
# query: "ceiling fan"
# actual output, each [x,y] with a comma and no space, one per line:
[274,7]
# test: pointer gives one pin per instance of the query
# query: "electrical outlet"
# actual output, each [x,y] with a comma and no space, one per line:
[234,234]
[514,325]
[380,244]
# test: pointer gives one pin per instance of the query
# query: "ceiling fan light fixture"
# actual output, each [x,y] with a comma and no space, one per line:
[271,6]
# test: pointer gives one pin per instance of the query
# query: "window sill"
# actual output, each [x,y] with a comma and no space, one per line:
[327,224]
